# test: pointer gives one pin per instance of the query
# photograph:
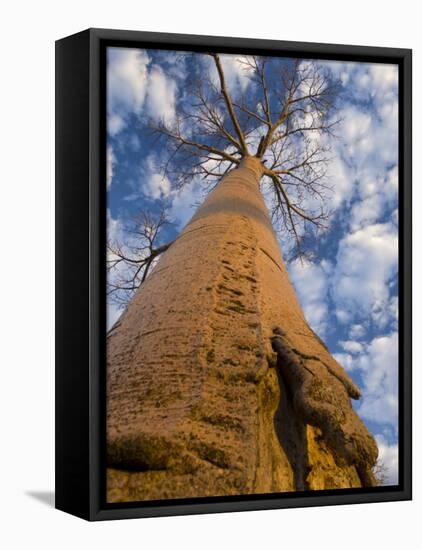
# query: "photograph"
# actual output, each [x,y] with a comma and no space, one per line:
[211,220]
[252,256]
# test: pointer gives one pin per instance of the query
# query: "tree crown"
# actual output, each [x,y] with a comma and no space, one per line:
[284,117]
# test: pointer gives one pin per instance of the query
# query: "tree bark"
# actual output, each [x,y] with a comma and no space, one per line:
[216,384]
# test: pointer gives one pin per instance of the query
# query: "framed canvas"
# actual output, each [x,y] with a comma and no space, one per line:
[233,274]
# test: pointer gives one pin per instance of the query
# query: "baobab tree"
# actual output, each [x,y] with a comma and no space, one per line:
[216,383]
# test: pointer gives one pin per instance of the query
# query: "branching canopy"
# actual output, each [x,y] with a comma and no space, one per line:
[283,117]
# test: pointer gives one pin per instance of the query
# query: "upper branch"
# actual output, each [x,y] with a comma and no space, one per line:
[178,137]
[305,105]
[229,104]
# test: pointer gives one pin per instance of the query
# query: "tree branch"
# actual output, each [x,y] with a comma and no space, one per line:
[128,266]
[229,104]
[194,144]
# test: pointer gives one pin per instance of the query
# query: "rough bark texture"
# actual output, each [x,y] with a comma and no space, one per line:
[216,384]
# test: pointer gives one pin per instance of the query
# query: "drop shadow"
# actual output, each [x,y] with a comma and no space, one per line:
[45,497]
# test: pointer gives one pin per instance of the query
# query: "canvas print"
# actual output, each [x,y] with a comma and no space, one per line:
[252,289]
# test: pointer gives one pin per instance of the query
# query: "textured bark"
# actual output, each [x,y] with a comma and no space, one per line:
[216,384]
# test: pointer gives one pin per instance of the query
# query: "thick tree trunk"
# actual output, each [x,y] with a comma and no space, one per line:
[216,384]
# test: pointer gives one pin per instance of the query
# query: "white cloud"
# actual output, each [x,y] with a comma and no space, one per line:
[114,228]
[132,86]
[127,78]
[154,184]
[366,211]
[182,202]
[157,186]
[369,140]
[311,283]
[366,261]
[369,79]
[215,165]
[384,78]
[389,457]
[355,127]
[368,143]
[343,316]
[356,332]
[341,180]
[236,72]
[379,193]
[346,361]
[115,123]
[352,347]
[393,308]
[391,184]
[379,369]
[377,364]
[111,161]
[161,95]
[175,64]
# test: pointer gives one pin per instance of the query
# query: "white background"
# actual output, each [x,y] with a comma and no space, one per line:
[27,272]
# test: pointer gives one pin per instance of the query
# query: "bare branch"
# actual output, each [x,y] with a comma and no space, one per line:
[177,136]
[229,104]
[129,264]
[290,206]
[315,102]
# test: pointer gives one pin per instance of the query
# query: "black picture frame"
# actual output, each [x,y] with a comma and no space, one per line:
[80,273]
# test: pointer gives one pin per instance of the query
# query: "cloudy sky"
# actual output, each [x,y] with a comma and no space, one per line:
[348,289]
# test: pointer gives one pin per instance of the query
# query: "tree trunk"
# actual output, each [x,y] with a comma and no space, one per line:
[216,384]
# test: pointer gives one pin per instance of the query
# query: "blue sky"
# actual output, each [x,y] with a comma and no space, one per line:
[348,290]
